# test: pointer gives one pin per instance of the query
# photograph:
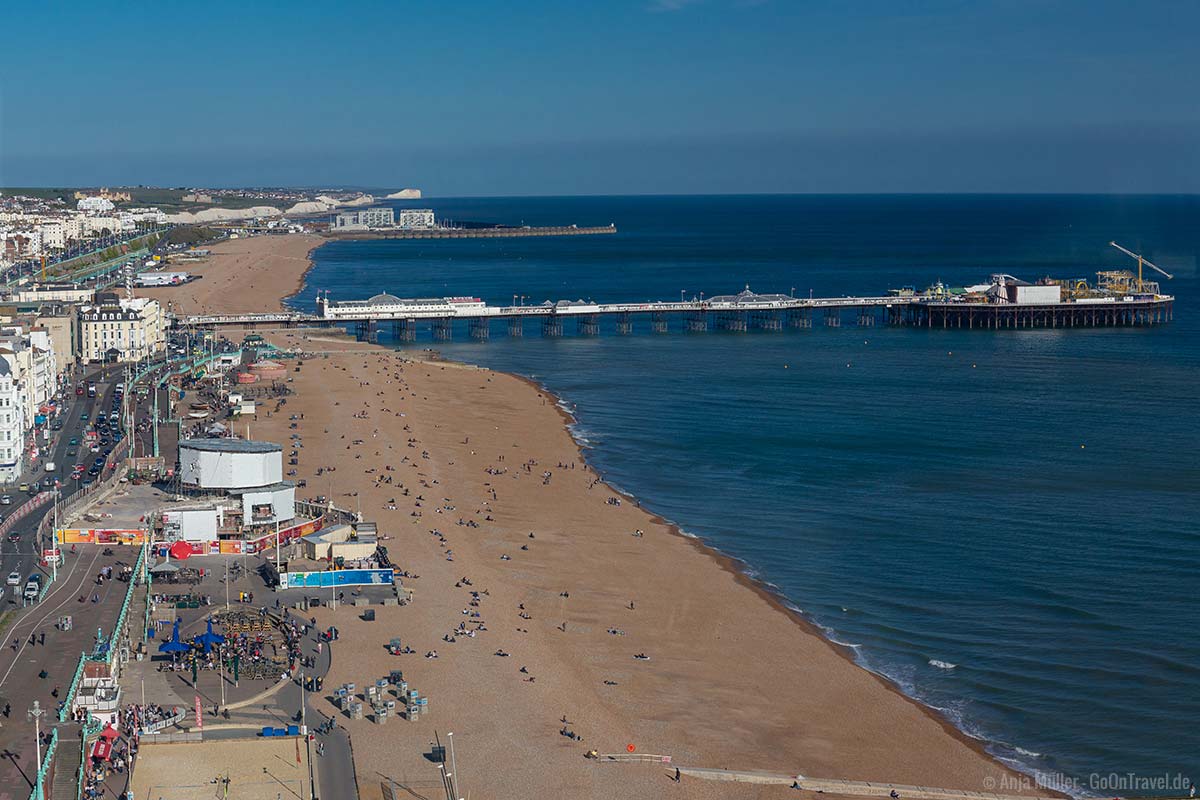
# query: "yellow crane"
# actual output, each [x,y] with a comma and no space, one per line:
[1142,260]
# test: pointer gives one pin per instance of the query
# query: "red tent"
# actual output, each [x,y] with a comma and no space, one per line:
[109,732]
[102,749]
[180,550]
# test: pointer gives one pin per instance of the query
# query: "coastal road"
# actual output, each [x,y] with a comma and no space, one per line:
[24,554]
[22,659]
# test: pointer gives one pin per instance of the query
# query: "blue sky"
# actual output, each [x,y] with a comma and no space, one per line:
[646,96]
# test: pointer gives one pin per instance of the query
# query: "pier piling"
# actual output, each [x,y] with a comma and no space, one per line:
[479,329]
[695,322]
[766,321]
[658,322]
[587,325]
[516,327]
[367,330]
[799,318]
[552,327]
[404,330]
[732,321]
[624,325]
[443,330]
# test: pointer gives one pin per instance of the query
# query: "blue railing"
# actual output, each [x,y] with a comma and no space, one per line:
[111,650]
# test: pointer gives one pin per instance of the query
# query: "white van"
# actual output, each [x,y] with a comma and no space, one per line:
[51,466]
[32,590]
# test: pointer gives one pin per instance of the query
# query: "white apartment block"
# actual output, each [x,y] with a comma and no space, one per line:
[44,373]
[12,425]
[31,359]
[361,218]
[416,218]
[96,204]
[121,329]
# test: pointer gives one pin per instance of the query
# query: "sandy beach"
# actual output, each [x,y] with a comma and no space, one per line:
[242,275]
[472,474]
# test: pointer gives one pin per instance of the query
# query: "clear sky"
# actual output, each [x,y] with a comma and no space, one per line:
[491,97]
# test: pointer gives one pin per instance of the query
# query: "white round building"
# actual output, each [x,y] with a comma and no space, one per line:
[229,463]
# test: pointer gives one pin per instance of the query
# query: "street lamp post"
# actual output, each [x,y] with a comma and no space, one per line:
[35,714]
[453,764]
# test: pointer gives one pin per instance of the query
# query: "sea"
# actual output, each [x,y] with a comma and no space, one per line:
[1004,524]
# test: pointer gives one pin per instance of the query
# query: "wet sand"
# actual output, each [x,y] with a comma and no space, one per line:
[733,679]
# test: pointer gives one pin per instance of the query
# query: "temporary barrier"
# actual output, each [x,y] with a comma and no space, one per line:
[121,536]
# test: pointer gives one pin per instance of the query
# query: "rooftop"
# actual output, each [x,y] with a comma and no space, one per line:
[271,487]
[230,446]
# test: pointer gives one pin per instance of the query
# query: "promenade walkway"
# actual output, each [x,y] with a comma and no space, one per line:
[836,786]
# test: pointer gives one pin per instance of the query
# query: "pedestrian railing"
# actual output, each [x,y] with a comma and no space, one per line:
[22,510]
[64,712]
[91,727]
[113,639]
[115,635]
[163,724]
[39,785]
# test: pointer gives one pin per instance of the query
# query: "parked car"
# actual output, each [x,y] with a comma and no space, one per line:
[6,500]
[14,579]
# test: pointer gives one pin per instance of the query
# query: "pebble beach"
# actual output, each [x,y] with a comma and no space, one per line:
[596,625]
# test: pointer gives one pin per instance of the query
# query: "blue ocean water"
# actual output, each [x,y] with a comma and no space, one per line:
[1002,523]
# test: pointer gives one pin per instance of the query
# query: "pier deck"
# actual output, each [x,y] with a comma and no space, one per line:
[467,233]
[742,312]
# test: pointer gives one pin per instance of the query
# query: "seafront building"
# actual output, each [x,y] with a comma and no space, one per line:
[381,217]
[118,328]
[29,374]
[412,218]
[53,293]
[242,497]
[12,424]
[364,218]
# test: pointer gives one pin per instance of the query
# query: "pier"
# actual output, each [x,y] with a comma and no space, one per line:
[743,312]
[466,233]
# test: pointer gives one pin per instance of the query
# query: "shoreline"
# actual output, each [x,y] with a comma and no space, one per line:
[737,568]
[858,738]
